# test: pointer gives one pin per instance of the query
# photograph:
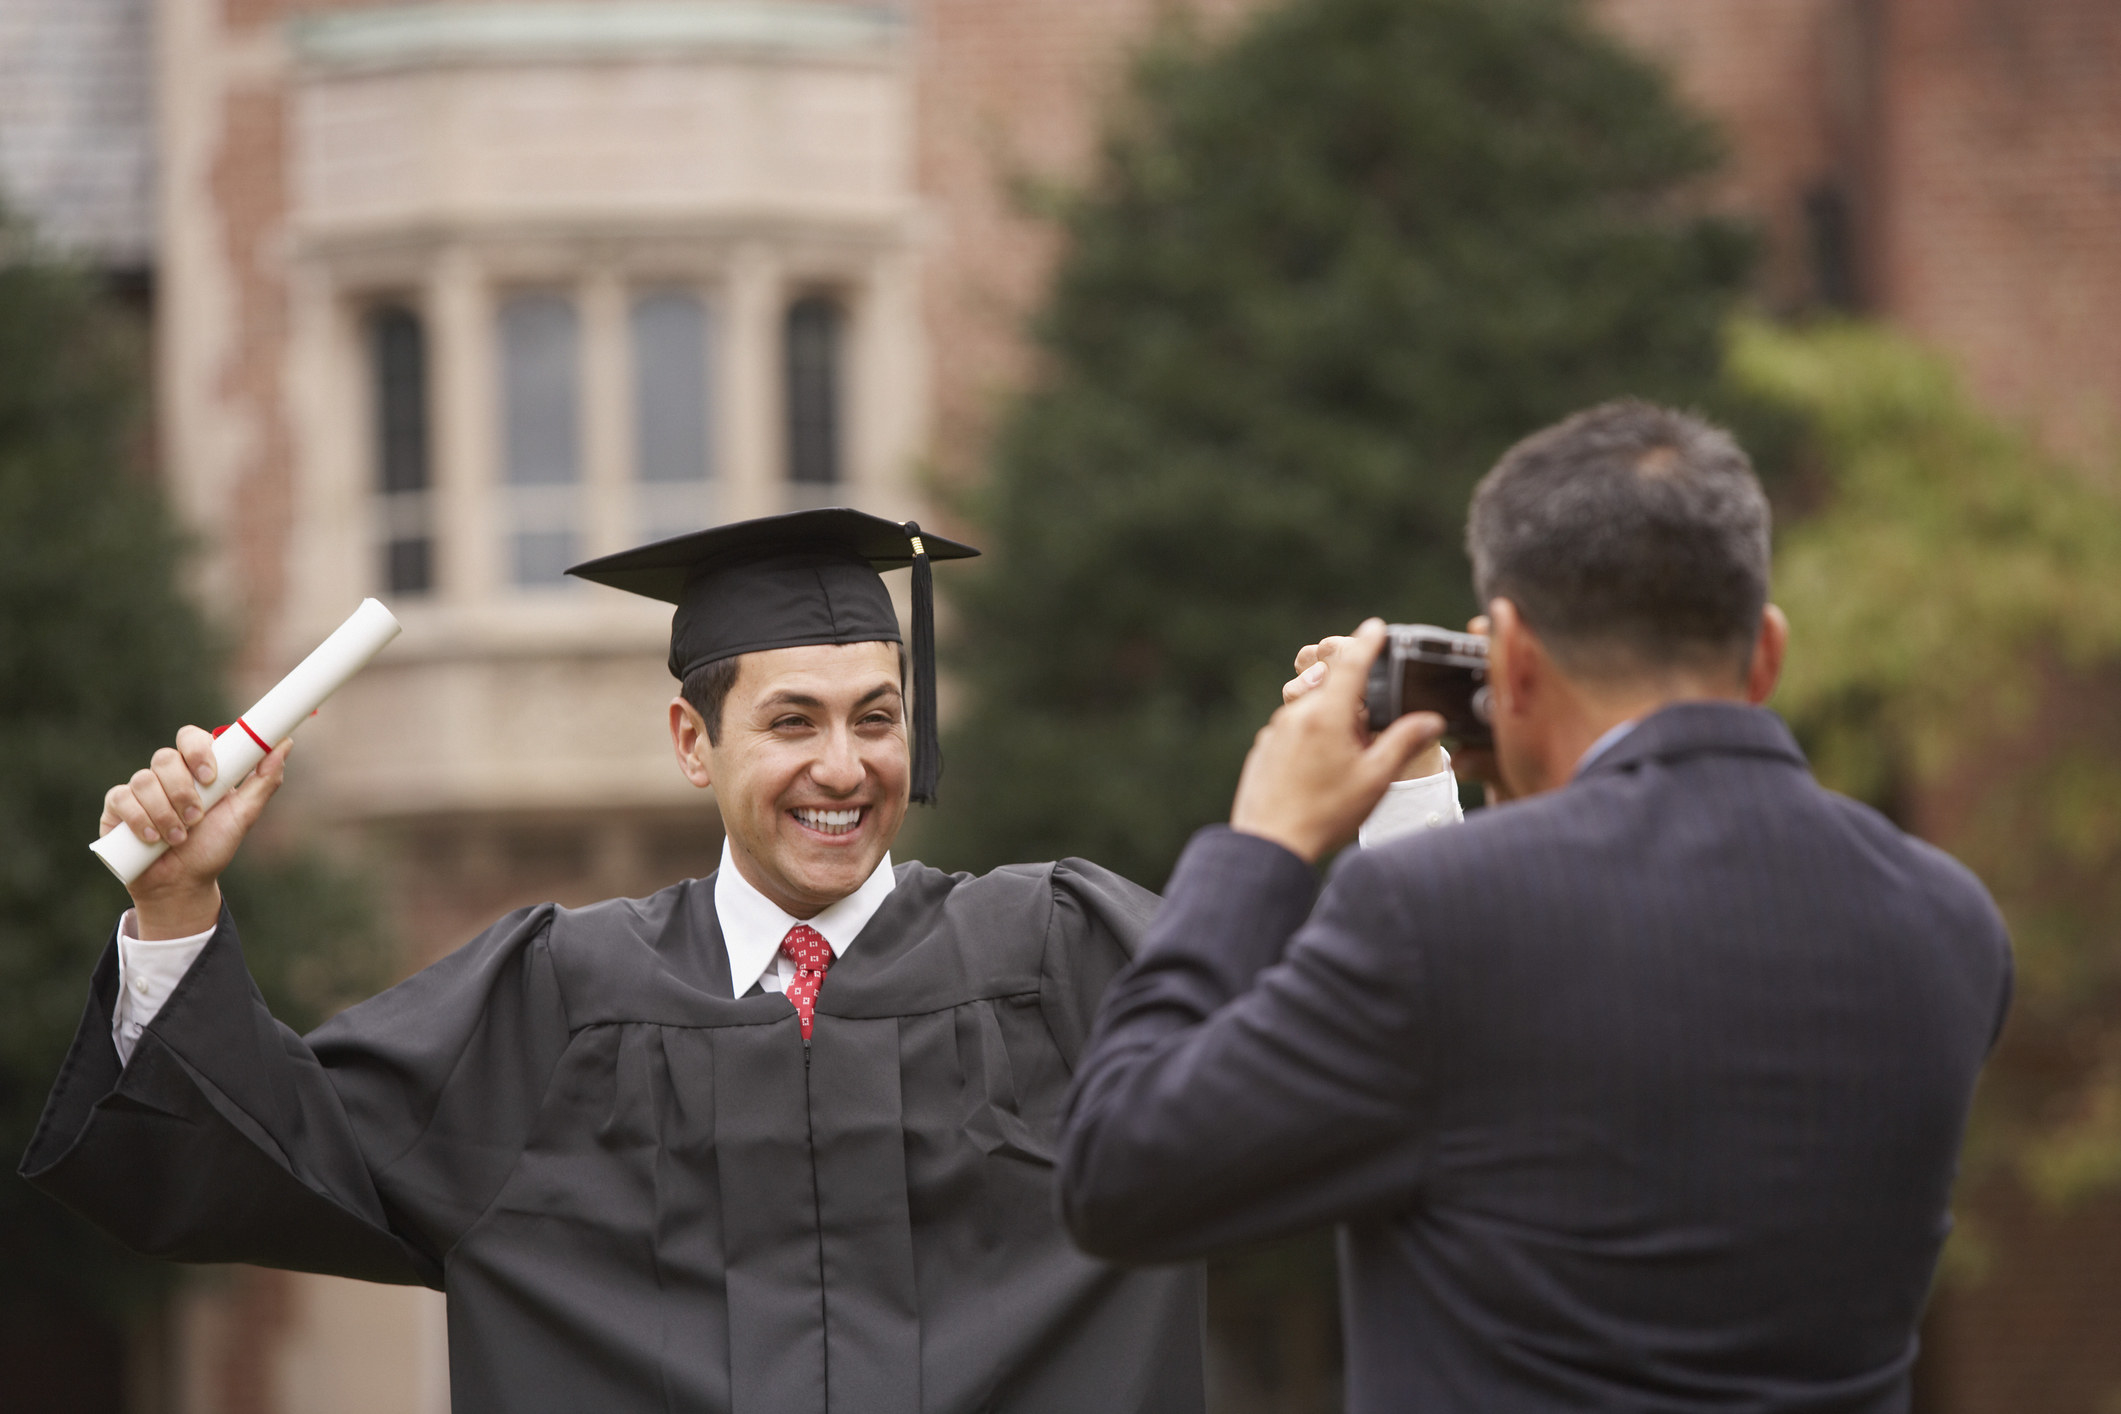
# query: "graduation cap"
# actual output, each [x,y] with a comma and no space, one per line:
[789,581]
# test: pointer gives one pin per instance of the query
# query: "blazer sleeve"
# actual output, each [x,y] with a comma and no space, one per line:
[1258,1069]
[364,1150]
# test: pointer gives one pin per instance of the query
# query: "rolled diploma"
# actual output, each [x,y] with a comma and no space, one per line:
[273,719]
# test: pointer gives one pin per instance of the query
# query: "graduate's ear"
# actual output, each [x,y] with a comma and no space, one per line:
[688,738]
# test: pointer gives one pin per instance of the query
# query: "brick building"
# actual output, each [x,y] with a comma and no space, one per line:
[1952,166]
[452,294]
[76,137]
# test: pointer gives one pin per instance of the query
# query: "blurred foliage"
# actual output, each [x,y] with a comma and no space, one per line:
[1326,269]
[101,659]
[1955,603]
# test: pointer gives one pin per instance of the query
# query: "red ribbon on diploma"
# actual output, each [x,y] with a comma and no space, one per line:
[239,722]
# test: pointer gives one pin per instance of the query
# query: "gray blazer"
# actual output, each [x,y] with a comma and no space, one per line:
[1645,1094]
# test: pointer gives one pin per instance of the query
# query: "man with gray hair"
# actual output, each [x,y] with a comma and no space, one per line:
[1644,1091]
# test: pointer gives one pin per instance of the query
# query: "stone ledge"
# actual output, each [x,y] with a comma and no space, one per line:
[420,36]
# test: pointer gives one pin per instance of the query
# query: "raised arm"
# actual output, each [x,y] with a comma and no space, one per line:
[223,1136]
[363,1150]
[1233,1088]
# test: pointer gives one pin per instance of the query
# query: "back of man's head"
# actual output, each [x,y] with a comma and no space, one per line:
[1632,539]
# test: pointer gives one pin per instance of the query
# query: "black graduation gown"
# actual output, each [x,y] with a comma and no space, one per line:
[642,1194]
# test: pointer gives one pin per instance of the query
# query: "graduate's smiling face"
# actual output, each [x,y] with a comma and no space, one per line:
[810,765]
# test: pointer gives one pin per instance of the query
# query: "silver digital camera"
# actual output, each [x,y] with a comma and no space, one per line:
[1423,668]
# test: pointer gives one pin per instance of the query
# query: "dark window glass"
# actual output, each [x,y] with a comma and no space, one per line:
[408,565]
[399,347]
[815,331]
[397,344]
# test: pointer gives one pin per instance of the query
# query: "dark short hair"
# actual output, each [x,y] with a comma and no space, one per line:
[1630,537]
[707,688]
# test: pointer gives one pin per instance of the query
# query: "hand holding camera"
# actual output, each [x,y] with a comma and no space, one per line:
[1315,771]
[1430,670]
[1312,663]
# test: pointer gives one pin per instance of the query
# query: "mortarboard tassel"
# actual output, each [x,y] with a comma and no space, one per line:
[927,740]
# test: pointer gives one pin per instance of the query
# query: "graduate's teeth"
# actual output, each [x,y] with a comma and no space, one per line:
[831,822]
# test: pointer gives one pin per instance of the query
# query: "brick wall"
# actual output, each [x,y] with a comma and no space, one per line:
[1760,69]
[1011,91]
[1974,149]
[2000,233]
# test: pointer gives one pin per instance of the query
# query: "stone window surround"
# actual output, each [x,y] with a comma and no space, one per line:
[746,281]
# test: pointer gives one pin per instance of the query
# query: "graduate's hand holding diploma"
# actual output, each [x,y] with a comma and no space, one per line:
[1313,774]
[187,812]
[180,893]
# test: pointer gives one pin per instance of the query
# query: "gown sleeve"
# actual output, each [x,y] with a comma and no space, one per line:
[1096,925]
[363,1150]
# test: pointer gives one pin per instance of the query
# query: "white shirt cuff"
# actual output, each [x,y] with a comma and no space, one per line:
[148,971]
[1424,803]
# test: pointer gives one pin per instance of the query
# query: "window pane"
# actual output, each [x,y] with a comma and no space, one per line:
[541,438]
[539,382]
[813,338]
[398,354]
[670,409]
[408,566]
[397,349]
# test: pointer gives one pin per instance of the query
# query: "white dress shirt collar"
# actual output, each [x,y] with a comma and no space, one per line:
[1611,738]
[753,925]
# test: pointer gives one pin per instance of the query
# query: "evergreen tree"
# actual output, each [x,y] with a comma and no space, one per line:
[1326,270]
[101,659]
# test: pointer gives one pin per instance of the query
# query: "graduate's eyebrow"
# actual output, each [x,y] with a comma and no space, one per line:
[787,697]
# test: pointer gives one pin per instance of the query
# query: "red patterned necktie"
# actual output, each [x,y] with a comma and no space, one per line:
[806,947]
